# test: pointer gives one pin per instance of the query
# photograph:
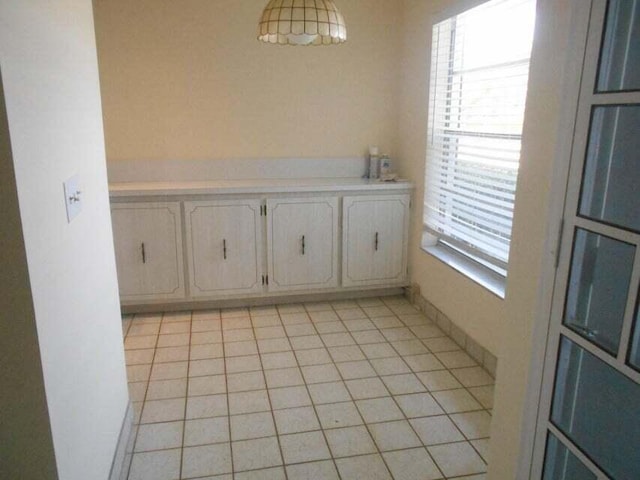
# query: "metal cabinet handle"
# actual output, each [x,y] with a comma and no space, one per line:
[303,245]
[144,253]
[376,242]
[224,248]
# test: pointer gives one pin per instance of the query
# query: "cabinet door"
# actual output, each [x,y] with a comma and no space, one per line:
[375,232]
[148,245]
[224,246]
[302,243]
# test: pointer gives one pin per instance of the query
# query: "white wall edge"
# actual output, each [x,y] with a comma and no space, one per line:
[119,467]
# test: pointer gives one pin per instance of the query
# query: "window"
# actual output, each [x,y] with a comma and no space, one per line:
[479,75]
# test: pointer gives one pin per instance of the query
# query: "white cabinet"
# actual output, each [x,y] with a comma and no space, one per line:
[302,243]
[148,246]
[375,230]
[224,247]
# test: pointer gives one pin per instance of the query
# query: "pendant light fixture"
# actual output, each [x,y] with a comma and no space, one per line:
[302,22]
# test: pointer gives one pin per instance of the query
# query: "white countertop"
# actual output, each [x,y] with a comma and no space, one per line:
[289,185]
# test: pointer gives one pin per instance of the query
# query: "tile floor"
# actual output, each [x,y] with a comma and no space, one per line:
[363,389]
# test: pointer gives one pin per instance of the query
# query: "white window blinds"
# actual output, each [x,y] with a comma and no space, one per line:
[479,75]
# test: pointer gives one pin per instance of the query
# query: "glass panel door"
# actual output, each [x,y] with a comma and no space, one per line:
[589,417]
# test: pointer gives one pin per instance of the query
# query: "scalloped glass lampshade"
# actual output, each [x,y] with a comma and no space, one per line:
[302,22]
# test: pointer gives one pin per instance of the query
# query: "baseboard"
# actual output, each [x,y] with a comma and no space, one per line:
[124,448]
[481,355]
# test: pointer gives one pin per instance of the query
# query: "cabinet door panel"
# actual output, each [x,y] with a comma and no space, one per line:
[375,240]
[148,246]
[224,241]
[302,246]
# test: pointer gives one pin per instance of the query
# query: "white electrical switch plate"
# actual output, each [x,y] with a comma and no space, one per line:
[72,198]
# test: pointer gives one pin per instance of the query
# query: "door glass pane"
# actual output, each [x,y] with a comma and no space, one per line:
[561,464]
[611,176]
[596,407]
[620,60]
[634,354]
[598,286]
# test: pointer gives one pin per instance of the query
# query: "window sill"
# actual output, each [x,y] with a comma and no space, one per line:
[483,276]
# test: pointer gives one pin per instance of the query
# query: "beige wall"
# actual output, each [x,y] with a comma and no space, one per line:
[51,87]
[505,327]
[188,80]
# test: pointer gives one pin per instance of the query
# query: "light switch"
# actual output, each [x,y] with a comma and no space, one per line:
[72,197]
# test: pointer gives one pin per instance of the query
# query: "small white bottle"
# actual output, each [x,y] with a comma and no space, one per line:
[374,163]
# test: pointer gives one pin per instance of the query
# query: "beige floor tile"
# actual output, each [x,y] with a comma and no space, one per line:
[176,317]
[344,304]
[474,425]
[275,473]
[396,435]
[370,302]
[236,323]
[379,350]
[368,337]
[323,470]
[350,441]
[248,402]
[326,315]
[414,319]
[205,325]
[172,354]
[143,329]
[296,420]
[206,460]
[162,389]
[211,385]
[250,363]
[264,333]
[351,314]
[438,380]
[410,347]
[205,315]
[266,321]
[390,366]
[367,388]
[210,350]
[320,373]
[159,436]
[140,342]
[284,377]
[370,467]
[139,357]
[306,342]
[138,373]
[379,410]
[473,376]
[272,361]
[241,349]
[271,345]
[456,401]
[425,332]
[484,395]
[423,363]
[379,311]
[387,322]
[202,368]
[226,313]
[161,465]
[396,334]
[252,425]
[359,325]
[291,308]
[436,430]
[137,391]
[173,340]
[357,369]
[314,356]
[294,318]
[330,327]
[412,464]
[337,339]
[255,454]
[403,384]
[304,447]
[456,459]
[205,431]
[241,382]
[202,338]
[482,447]
[337,415]
[440,344]
[289,397]
[456,359]
[331,392]
[169,371]
[175,327]
[418,405]
[300,330]
[263,310]
[163,410]
[207,406]
[239,335]
[317,306]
